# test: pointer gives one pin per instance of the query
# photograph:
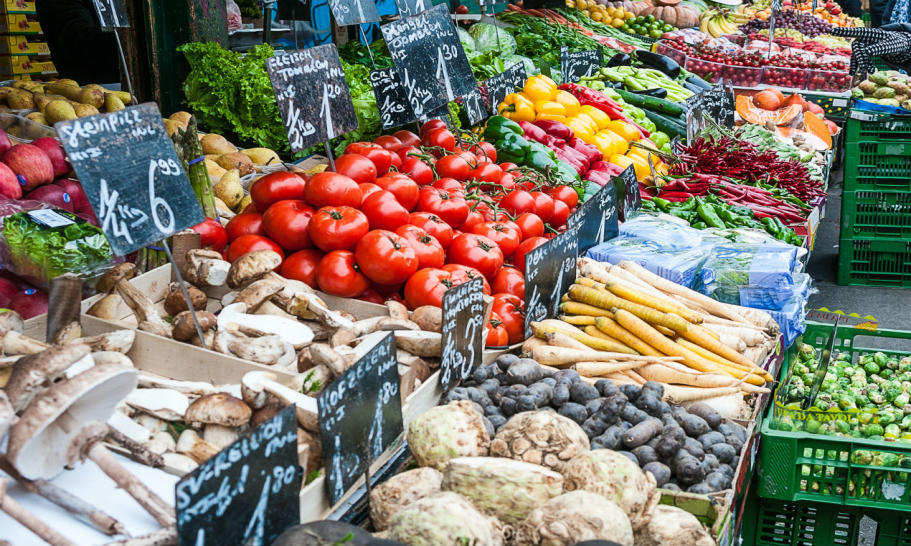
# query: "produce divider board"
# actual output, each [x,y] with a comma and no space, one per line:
[310,88]
[632,198]
[463,323]
[549,270]
[391,98]
[248,492]
[575,65]
[428,55]
[408,8]
[474,106]
[503,84]
[353,12]
[131,175]
[596,218]
[111,14]
[717,103]
[360,416]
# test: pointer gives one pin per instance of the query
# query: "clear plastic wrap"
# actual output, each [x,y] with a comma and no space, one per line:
[752,275]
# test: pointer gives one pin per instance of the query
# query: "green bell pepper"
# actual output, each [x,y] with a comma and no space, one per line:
[512,148]
[538,160]
[499,126]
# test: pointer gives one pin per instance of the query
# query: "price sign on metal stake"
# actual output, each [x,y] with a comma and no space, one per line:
[596,218]
[353,12]
[391,98]
[504,83]
[474,107]
[111,14]
[575,65]
[463,325]
[549,271]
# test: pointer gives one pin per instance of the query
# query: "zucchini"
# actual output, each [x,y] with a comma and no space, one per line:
[651,103]
[670,126]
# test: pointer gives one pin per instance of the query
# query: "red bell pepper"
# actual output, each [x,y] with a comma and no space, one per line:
[590,152]
[569,151]
[572,161]
[555,128]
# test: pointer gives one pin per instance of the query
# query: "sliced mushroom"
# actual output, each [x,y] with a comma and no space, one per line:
[190,444]
[80,366]
[120,341]
[323,354]
[142,306]
[129,428]
[70,333]
[29,520]
[148,380]
[292,331]
[316,379]
[15,343]
[252,266]
[304,303]
[220,436]
[11,321]
[258,292]
[165,404]
[150,422]
[174,302]
[397,310]
[112,357]
[34,373]
[390,324]
[161,442]
[205,268]
[269,308]
[218,409]
[259,388]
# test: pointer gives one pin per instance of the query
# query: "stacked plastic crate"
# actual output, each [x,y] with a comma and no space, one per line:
[875,246]
[24,54]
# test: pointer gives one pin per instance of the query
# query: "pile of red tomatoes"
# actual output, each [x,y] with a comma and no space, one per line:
[407,217]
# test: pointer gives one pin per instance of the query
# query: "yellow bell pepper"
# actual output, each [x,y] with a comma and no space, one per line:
[609,144]
[588,121]
[640,166]
[588,138]
[621,161]
[579,127]
[548,81]
[624,129]
[568,101]
[537,88]
[551,117]
[600,118]
[517,108]
[549,107]
[618,139]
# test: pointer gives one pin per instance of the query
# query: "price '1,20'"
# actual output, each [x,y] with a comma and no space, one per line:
[118,218]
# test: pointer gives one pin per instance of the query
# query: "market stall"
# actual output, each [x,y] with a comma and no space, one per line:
[529,278]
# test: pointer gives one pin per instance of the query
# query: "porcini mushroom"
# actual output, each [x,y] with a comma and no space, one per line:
[174,302]
[120,341]
[65,424]
[292,331]
[166,404]
[148,317]
[219,409]
[34,373]
[259,388]
[15,343]
[257,293]
[205,268]
[252,266]
[190,444]
[185,328]
[10,320]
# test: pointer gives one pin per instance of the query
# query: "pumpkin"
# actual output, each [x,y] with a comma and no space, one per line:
[785,115]
[678,16]
[634,6]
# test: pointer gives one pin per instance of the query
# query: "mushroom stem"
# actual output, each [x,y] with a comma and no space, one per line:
[26,518]
[66,500]
[154,505]
[161,537]
[138,451]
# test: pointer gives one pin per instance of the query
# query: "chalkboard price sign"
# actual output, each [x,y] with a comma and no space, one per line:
[632,198]
[596,218]
[248,493]
[463,324]
[408,8]
[391,98]
[549,270]
[353,12]
[694,117]
[503,84]
[428,55]
[360,415]
[474,106]
[575,65]
[111,14]
[718,103]
[132,176]
[312,95]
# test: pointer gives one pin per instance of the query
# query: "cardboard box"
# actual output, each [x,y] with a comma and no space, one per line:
[17,6]
[21,45]
[16,65]
[18,24]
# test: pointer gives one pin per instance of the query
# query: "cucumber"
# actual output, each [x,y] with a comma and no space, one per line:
[670,126]
[651,103]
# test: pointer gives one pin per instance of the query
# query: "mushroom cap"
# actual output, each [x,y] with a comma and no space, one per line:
[38,441]
[33,373]
[219,409]
[252,266]
[185,329]
[120,272]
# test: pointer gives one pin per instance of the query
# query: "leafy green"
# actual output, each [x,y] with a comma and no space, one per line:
[231,93]
[41,253]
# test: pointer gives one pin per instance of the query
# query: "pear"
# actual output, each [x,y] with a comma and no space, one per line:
[223,210]
[112,103]
[229,189]
[67,88]
[92,95]
[183,118]
[83,110]
[216,144]
[59,110]
[236,160]
[18,99]
[262,156]
[124,97]
[171,126]
[38,117]
[243,203]
[214,169]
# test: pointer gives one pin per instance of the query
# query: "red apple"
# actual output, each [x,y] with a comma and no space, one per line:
[55,153]
[32,166]
[9,184]
[80,202]
[7,291]
[29,303]
[5,143]
[53,195]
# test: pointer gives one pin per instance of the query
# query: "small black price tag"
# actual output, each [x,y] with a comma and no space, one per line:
[718,103]
[111,14]
[312,95]
[504,83]
[549,270]
[463,326]
[632,198]
[440,112]
[391,98]
[428,55]
[575,65]
[474,106]
[408,8]
[596,218]
[694,118]
[360,415]
[248,493]
[353,12]
[131,175]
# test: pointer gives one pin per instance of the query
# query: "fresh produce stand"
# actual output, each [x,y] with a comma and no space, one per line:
[535,277]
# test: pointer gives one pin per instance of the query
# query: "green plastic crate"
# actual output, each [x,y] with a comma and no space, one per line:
[877,151]
[797,466]
[782,523]
[865,261]
[875,214]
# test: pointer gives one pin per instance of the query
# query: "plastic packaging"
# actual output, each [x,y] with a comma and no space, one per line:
[489,37]
[749,274]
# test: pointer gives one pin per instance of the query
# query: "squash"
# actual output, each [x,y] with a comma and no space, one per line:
[631,6]
[786,115]
[813,124]
[680,16]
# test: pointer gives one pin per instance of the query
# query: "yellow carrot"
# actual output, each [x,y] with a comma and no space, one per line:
[576,308]
[595,332]
[698,335]
[666,331]
[617,332]
[578,320]
[554,326]
[661,304]
[591,283]
[735,368]
[607,300]
[558,356]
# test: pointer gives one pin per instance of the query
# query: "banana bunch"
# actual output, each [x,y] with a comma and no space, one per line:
[717,23]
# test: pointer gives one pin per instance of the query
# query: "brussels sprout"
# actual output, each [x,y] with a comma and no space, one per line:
[846,401]
[812,426]
[843,382]
[848,370]
[875,397]
[801,370]
[892,432]
[880,358]
[865,418]
[862,456]
[892,364]
[806,352]
[891,390]
[901,400]
[842,427]
[904,364]
[885,418]
[872,429]
[886,373]
[871,367]
[785,423]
